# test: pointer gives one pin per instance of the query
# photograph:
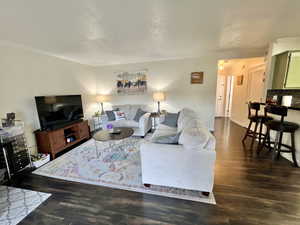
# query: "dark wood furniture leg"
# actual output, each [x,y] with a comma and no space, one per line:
[279,145]
[247,132]
[254,135]
[260,133]
[293,149]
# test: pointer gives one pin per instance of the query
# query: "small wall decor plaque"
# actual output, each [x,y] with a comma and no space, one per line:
[197,77]
[239,80]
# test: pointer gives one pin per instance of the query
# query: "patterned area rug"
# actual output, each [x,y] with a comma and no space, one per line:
[16,204]
[114,164]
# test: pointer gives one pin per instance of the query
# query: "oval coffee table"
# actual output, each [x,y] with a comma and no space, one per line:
[106,136]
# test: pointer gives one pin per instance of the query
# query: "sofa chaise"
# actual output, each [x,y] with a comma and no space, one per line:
[189,164]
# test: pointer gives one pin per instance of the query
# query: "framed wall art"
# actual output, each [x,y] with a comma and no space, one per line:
[240,80]
[132,83]
[197,77]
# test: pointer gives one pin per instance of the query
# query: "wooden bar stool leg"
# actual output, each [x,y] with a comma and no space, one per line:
[260,132]
[294,149]
[260,147]
[279,145]
[276,144]
[248,131]
[269,140]
[254,135]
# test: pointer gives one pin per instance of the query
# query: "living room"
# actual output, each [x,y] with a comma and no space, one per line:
[152,173]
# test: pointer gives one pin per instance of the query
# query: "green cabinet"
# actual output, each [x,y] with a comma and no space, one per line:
[287,70]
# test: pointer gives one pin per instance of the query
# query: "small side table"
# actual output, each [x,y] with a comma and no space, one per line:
[99,122]
[156,119]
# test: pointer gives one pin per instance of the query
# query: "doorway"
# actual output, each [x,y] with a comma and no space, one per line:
[224,96]
[256,83]
[239,81]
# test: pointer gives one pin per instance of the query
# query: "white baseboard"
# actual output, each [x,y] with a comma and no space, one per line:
[237,122]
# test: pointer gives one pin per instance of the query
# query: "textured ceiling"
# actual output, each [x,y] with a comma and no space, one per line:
[101,32]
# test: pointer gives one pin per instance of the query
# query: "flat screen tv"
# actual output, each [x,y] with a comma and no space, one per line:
[58,111]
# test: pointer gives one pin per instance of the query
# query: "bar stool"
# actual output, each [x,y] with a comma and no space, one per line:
[281,127]
[258,120]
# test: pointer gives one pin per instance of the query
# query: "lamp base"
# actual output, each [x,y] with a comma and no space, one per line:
[158,108]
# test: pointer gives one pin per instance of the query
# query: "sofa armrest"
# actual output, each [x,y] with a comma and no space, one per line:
[145,122]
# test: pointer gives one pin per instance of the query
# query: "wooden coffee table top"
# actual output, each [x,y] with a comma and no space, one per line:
[104,135]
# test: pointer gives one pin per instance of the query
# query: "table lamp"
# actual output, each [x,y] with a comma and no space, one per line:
[101,99]
[158,97]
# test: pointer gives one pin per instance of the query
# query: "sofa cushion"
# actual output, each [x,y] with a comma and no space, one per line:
[194,137]
[187,118]
[171,119]
[125,123]
[167,128]
[163,132]
[130,110]
[139,114]
[166,139]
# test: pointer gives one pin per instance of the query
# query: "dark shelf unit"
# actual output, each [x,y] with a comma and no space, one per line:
[14,156]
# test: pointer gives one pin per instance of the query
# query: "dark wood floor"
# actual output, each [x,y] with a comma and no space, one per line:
[248,190]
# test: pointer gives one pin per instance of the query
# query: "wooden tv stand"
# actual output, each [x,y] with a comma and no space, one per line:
[55,141]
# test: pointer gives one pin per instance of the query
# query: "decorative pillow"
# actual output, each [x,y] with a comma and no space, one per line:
[194,138]
[186,118]
[167,139]
[139,114]
[119,115]
[171,119]
[110,115]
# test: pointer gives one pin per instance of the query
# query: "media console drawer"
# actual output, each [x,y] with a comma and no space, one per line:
[53,142]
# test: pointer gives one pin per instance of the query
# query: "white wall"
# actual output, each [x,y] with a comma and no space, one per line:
[25,74]
[173,77]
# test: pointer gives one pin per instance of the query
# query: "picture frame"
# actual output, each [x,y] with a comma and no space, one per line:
[240,80]
[197,77]
[132,83]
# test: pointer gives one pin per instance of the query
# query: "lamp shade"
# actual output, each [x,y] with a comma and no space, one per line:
[159,96]
[101,98]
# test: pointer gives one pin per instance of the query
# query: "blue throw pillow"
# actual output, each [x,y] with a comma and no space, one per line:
[171,119]
[110,115]
[139,114]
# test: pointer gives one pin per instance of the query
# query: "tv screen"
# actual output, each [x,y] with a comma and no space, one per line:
[57,111]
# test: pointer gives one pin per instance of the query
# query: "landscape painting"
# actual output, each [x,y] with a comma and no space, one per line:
[132,83]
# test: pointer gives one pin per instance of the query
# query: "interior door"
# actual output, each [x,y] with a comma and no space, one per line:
[220,96]
[229,93]
[256,84]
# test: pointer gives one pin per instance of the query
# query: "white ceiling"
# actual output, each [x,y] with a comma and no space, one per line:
[101,32]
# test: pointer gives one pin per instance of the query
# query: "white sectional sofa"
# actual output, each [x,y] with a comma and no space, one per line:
[189,164]
[140,128]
